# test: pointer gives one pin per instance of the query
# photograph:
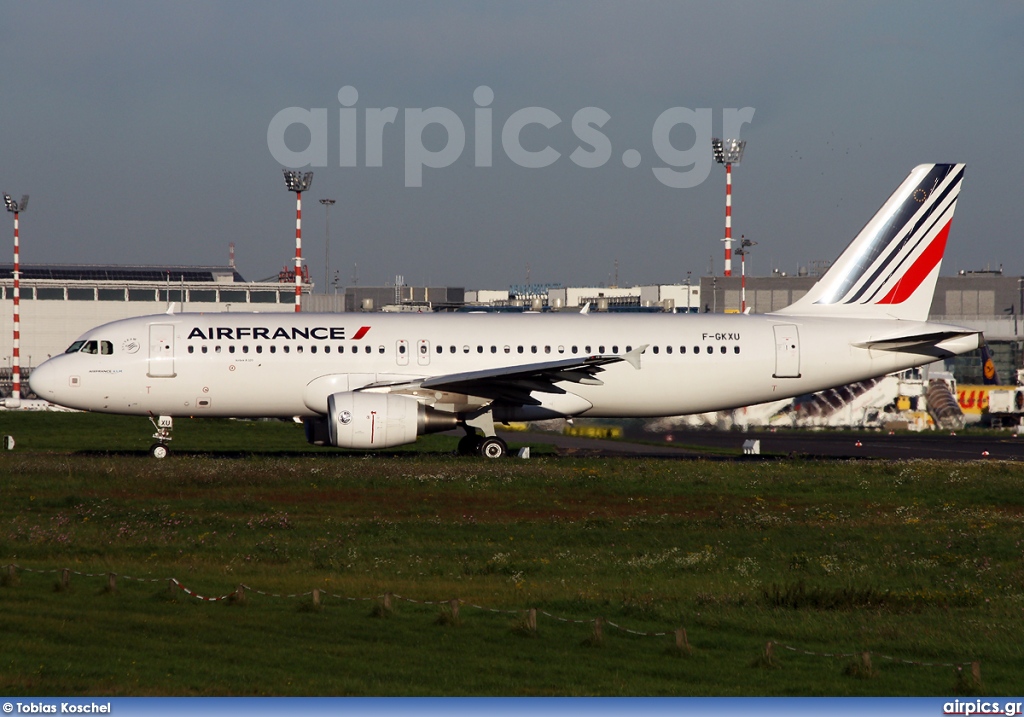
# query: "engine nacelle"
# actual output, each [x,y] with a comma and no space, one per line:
[363,420]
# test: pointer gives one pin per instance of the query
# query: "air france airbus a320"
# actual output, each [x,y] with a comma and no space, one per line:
[370,381]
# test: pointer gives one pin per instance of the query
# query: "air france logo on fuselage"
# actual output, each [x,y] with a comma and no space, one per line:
[320,333]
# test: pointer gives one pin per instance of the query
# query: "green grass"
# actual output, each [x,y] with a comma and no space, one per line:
[920,561]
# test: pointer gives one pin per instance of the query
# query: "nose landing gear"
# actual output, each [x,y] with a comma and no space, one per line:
[163,426]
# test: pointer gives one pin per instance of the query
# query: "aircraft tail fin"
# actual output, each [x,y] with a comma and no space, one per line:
[989,375]
[890,268]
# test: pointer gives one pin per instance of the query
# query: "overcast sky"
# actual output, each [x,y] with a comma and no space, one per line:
[140,130]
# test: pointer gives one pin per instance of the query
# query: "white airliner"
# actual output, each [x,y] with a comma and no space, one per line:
[370,381]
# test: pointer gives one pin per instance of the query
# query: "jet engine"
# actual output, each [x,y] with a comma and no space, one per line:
[363,420]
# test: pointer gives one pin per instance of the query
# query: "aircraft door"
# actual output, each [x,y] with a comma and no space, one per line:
[787,351]
[402,352]
[423,352]
[161,350]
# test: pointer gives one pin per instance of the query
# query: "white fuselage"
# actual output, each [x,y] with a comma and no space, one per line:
[253,365]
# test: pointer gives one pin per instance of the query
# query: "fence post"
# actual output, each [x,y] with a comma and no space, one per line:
[11,572]
[65,577]
[454,603]
[170,585]
[682,644]
[316,597]
[976,673]
[387,601]
[111,582]
[240,593]
[531,620]
[598,630]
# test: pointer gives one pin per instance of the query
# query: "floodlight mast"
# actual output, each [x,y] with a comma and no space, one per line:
[298,182]
[328,203]
[728,152]
[14,401]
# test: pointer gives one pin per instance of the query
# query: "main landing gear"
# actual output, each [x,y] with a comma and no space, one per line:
[163,426]
[487,445]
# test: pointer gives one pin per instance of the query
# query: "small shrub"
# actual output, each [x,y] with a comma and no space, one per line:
[861,667]
[9,580]
[380,610]
[445,618]
[965,684]
[767,659]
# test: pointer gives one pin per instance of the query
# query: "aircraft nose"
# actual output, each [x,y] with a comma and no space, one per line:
[43,381]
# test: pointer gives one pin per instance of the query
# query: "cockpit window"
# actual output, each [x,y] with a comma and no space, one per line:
[91,347]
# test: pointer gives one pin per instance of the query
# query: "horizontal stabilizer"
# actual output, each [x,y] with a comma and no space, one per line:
[935,343]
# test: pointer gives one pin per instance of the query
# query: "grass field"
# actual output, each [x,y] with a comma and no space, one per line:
[918,561]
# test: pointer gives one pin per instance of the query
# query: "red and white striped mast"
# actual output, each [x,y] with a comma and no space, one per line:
[728,153]
[744,249]
[14,401]
[298,182]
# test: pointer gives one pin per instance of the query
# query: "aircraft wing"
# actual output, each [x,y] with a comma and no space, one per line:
[514,384]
